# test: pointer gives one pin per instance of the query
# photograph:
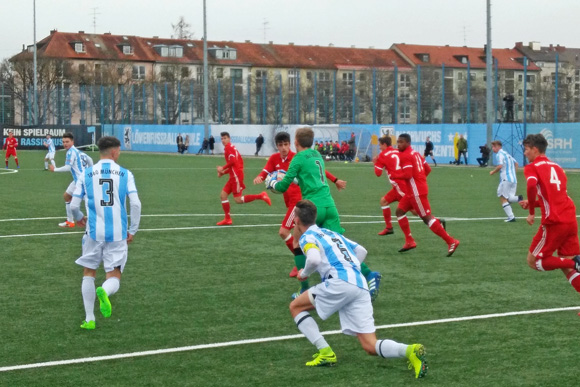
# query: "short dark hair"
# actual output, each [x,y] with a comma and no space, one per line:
[406,137]
[536,141]
[306,211]
[225,134]
[68,135]
[305,137]
[281,137]
[108,142]
[386,140]
[497,143]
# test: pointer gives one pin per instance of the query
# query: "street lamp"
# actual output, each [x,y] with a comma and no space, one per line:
[34,98]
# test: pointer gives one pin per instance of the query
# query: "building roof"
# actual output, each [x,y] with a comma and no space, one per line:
[537,53]
[106,47]
[507,58]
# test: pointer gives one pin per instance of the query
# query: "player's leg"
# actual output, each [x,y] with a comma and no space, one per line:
[285,233]
[401,213]
[90,261]
[226,205]
[114,260]
[16,159]
[503,193]
[386,214]
[299,262]
[67,196]
[512,197]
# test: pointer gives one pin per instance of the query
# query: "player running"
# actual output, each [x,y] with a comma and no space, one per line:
[10,145]
[235,185]
[308,167]
[343,290]
[281,161]
[75,163]
[558,231]
[49,145]
[105,188]
[414,170]
[506,191]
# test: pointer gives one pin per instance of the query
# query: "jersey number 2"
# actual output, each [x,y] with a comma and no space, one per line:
[108,192]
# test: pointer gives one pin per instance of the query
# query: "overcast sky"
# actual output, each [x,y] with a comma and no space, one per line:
[362,23]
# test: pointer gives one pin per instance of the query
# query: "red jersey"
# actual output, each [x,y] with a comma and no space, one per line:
[10,143]
[390,160]
[234,162]
[547,182]
[276,162]
[415,171]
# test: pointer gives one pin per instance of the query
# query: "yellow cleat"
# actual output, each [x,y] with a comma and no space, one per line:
[416,355]
[89,325]
[326,357]
[105,304]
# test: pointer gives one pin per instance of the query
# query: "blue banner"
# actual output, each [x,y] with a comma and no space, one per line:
[561,141]
[157,138]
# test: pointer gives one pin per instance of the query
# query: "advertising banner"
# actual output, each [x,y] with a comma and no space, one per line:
[32,137]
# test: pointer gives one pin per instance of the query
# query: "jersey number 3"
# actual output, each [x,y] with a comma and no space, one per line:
[107,185]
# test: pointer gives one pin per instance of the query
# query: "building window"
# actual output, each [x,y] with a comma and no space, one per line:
[260,74]
[199,75]
[509,74]
[175,51]
[324,76]
[79,47]
[236,75]
[520,77]
[531,78]
[138,72]
[347,79]
[577,75]
[219,72]
[82,68]
[472,76]
[362,77]
[127,50]
[184,72]
[405,80]
[292,76]
[460,75]
[425,58]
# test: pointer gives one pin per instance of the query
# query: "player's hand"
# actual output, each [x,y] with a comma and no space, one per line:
[340,184]
[220,169]
[82,222]
[492,172]
[129,238]
[258,180]
[525,204]
[530,219]
[299,276]
[51,168]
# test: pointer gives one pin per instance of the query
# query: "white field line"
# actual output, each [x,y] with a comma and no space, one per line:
[271,339]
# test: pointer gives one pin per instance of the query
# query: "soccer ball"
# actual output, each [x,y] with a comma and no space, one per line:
[274,177]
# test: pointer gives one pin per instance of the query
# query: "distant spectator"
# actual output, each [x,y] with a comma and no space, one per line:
[461,149]
[211,144]
[509,107]
[179,143]
[484,156]
[351,147]
[185,148]
[204,146]
[429,147]
[259,143]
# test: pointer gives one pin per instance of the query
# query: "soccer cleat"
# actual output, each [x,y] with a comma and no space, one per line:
[225,222]
[104,302]
[443,223]
[266,198]
[452,247]
[510,220]
[387,231]
[89,325]
[297,294]
[66,224]
[374,281]
[576,260]
[294,272]
[320,360]
[416,356]
[407,246]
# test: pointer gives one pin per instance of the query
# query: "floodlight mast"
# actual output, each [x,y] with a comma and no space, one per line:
[35,86]
[488,71]
[205,78]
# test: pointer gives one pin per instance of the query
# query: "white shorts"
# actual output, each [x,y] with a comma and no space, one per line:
[111,254]
[352,303]
[71,188]
[49,156]
[506,189]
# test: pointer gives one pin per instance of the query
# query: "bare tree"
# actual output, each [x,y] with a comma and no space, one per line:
[182,29]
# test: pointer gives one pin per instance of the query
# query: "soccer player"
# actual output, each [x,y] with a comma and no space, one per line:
[105,187]
[389,160]
[343,290]
[281,161]
[429,150]
[49,144]
[73,164]
[546,186]
[414,171]
[506,191]
[308,167]
[10,145]
[235,185]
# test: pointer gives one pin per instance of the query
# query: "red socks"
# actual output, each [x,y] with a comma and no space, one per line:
[438,229]
[404,224]
[387,216]
[553,263]
[226,207]
[574,279]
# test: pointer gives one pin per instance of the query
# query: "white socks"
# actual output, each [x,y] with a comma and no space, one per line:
[111,286]
[508,210]
[309,328]
[390,348]
[88,291]
[69,214]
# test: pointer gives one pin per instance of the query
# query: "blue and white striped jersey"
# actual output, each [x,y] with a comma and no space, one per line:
[105,187]
[338,258]
[508,168]
[73,159]
[50,144]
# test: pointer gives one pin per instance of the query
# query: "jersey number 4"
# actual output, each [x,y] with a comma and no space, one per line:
[554,178]
[107,185]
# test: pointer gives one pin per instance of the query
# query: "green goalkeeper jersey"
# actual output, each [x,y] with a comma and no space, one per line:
[307,167]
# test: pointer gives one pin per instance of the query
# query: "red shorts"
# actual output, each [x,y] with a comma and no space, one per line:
[418,203]
[235,185]
[393,196]
[10,152]
[561,237]
[288,222]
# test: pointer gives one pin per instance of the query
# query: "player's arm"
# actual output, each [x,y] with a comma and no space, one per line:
[293,169]
[427,168]
[135,207]
[267,169]
[313,259]
[340,184]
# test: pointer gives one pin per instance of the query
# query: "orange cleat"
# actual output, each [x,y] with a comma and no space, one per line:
[225,222]
[66,224]
[387,231]
[452,247]
[266,198]
[294,272]
[407,246]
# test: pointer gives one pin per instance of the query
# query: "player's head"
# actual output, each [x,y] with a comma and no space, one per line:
[496,145]
[428,138]
[11,134]
[109,147]
[304,137]
[534,145]
[68,140]
[403,142]
[48,136]
[385,142]
[225,138]
[305,212]
[282,141]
